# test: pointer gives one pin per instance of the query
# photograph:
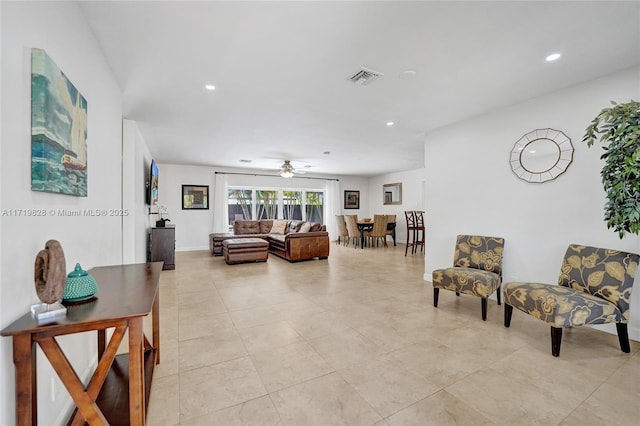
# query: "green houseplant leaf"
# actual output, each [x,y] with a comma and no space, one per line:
[618,129]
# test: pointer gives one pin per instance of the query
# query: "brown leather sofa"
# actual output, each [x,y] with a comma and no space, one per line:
[293,245]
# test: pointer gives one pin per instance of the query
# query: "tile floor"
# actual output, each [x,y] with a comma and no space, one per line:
[355,340]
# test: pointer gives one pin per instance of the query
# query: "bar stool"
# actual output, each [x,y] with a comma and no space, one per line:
[418,236]
[411,228]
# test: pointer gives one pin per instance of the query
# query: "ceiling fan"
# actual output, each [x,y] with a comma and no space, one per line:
[287,170]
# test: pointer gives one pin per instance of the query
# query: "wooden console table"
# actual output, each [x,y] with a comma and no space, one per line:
[118,392]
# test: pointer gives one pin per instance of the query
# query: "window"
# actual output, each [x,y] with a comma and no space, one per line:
[266,204]
[240,204]
[261,203]
[314,206]
[292,205]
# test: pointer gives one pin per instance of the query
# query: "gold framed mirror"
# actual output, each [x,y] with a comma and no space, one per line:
[392,193]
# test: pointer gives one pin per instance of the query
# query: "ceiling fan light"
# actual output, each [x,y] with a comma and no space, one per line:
[287,170]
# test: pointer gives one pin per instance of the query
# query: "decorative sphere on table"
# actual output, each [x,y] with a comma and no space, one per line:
[50,272]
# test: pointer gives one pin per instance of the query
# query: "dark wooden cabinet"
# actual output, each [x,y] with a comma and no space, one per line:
[162,246]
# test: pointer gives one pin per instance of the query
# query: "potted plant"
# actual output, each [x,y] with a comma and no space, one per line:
[161,223]
[618,128]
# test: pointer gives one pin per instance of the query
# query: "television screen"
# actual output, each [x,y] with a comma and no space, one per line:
[153,185]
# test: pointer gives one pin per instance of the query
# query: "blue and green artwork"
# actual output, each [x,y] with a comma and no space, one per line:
[58,130]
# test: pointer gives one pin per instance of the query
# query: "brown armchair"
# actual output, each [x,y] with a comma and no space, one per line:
[594,287]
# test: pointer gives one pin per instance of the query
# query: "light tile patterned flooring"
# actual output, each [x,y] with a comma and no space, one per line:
[355,340]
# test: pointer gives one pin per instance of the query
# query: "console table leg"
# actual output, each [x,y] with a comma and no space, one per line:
[86,405]
[24,358]
[136,373]
[156,326]
[102,342]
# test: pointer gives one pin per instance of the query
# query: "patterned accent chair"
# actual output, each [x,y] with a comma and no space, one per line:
[477,269]
[594,287]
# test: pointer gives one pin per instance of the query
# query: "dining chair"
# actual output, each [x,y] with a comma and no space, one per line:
[411,229]
[419,233]
[391,218]
[379,230]
[352,229]
[342,229]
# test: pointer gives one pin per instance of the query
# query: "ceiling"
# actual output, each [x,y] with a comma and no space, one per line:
[281,73]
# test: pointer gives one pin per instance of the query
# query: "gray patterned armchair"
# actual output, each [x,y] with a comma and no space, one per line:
[477,269]
[594,287]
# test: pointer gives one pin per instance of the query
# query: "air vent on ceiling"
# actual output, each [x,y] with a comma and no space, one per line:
[365,76]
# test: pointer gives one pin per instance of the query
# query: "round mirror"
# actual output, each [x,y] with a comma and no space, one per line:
[541,155]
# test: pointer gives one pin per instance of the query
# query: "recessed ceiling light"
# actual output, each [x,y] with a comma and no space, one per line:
[245,161]
[407,74]
[327,152]
[390,123]
[210,87]
[553,57]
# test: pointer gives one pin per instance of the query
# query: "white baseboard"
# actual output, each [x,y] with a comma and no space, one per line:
[634,333]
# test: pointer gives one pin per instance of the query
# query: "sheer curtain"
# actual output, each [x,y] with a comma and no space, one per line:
[220,207]
[332,207]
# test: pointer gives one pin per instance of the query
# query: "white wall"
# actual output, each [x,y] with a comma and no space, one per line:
[348,183]
[476,192]
[136,161]
[355,183]
[413,197]
[192,226]
[59,29]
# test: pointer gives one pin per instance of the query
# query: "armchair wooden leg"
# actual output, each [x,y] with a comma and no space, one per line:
[483,302]
[436,293]
[623,337]
[556,340]
[508,311]
[458,293]
[498,295]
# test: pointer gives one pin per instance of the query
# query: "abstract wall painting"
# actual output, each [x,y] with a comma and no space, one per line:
[195,197]
[58,130]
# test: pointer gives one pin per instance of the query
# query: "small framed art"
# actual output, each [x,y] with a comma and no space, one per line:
[351,199]
[195,197]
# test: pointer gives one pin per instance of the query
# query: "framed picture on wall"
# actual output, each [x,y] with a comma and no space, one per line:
[351,199]
[195,197]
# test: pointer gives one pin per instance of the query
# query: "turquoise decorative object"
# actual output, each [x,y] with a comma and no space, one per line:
[80,286]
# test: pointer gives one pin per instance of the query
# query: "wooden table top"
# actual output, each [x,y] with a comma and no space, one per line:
[124,291]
